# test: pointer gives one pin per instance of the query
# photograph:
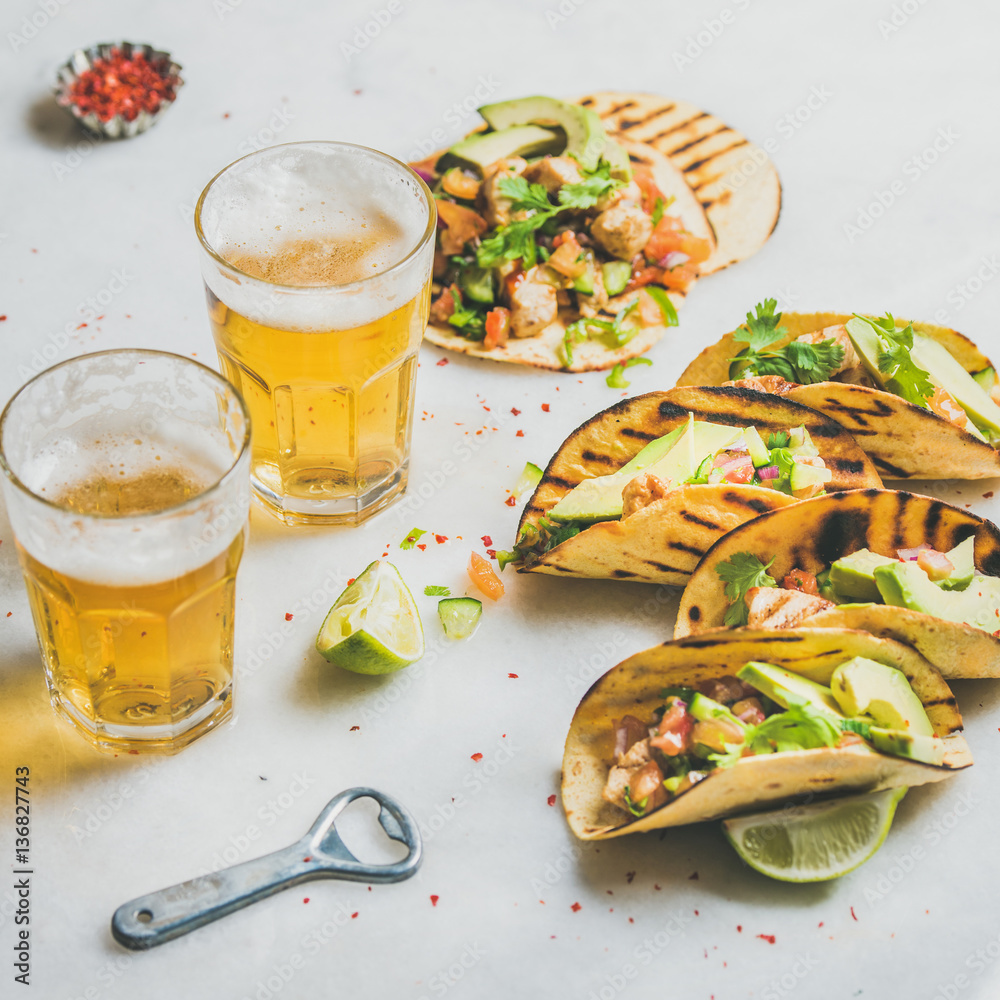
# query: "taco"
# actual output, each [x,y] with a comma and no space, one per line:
[734,180]
[643,489]
[895,564]
[559,246]
[709,726]
[920,399]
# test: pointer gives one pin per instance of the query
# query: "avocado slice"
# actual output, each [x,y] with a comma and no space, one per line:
[484,148]
[945,371]
[866,687]
[853,576]
[804,476]
[585,137]
[906,585]
[759,454]
[621,165]
[704,709]
[675,459]
[986,379]
[926,749]
[784,687]
[962,557]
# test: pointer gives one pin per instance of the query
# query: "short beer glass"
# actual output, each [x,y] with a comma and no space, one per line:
[126,477]
[317,261]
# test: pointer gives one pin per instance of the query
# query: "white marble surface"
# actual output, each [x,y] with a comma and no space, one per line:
[75,215]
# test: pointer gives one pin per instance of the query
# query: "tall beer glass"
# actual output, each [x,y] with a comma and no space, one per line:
[317,264]
[127,486]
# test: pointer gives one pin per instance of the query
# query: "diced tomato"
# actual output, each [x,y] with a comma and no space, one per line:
[461,225]
[482,575]
[645,783]
[444,305]
[799,579]
[674,730]
[667,237]
[643,276]
[643,177]
[935,564]
[680,278]
[943,404]
[740,473]
[560,238]
[497,327]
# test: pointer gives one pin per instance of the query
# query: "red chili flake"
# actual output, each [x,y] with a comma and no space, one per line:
[122,85]
[307,859]
[443,361]
[545,407]
[513,410]
[629,876]
[477,756]
[696,913]
[225,114]
[631,920]
[487,541]
[422,547]
[769,938]
[576,907]
[656,887]
[739,928]
[487,409]
[853,914]
[514,676]
[492,553]
[354,729]
[9,613]
[821,923]
[288,616]
[4,317]
[511,501]
[552,801]
[440,539]
[306,899]
[81,326]
[692,876]
[986,496]
[354,915]
[352,579]
[519,434]
[434,900]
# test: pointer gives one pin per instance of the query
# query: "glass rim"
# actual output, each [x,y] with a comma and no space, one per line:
[428,234]
[214,486]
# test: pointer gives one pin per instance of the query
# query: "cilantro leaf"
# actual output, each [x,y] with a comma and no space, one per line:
[412,538]
[617,380]
[778,439]
[904,377]
[469,321]
[763,328]
[586,193]
[436,591]
[615,329]
[743,571]
[799,727]
[661,298]
[525,196]
[535,540]
[658,208]
[636,809]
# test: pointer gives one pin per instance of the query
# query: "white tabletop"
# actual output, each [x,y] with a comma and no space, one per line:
[675,915]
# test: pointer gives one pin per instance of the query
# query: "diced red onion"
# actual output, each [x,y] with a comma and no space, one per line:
[769,472]
[628,731]
[911,555]
[425,175]
[673,259]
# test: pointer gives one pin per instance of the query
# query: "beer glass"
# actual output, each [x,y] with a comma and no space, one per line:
[317,260]
[127,486]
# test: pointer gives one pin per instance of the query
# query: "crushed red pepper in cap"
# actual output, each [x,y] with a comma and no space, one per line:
[122,85]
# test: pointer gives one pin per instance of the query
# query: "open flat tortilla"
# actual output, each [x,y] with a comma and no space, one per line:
[735,181]
[663,542]
[904,441]
[545,350]
[633,687]
[815,533]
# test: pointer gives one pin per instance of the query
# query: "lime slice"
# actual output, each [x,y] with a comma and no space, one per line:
[374,627]
[817,842]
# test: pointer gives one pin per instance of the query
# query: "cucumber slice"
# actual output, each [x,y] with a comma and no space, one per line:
[616,274]
[477,283]
[459,616]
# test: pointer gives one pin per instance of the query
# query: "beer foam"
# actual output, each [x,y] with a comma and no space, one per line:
[313,220]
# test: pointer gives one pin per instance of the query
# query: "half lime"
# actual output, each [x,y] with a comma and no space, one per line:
[815,842]
[374,627]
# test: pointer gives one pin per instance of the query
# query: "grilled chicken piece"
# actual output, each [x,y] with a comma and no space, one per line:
[497,207]
[776,608]
[765,383]
[621,773]
[641,492]
[553,172]
[839,334]
[622,230]
[533,306]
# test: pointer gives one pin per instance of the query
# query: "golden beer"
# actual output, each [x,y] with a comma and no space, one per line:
[126,481]
[317,265]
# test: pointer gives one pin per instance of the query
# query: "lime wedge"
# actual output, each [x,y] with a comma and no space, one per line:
[817,842]
[374,627]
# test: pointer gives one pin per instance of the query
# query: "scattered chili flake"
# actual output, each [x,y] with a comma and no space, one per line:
[487,541]
[477,756]
[306,899]
[288,616]
[576,907]
[821,923]
[492,553]
[443,361]
[629,876]
[631,920]
[352,579]
[122,85]
[545,407]
[423,548]
[739,928]
[769,938]
[80,326]
[440,539]
[354,915]
[519,434]
[9,613]
[354,729]
[226,114]
[307,859]
[513,410]
[434,900]
[656,887]
[514,676]
[511,501]
[4,317]
[986,496]
[552,801]
[692,876]
[853,914]
[696,913]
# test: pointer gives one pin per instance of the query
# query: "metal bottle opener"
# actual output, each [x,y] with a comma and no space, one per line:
[162,916]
